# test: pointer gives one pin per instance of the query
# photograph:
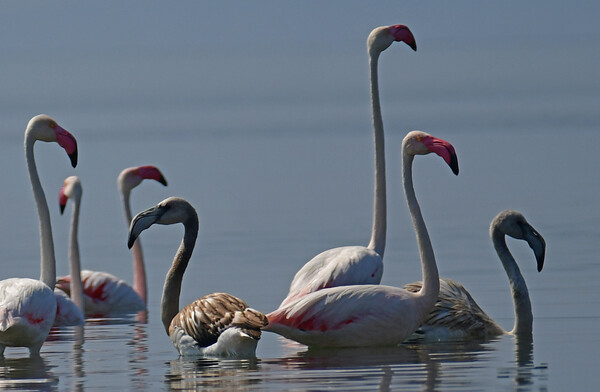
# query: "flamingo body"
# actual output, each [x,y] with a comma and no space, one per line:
[67,313]
[218,324]
[359,315]
[105,293]
[456,315]
[27,312]
[348,265]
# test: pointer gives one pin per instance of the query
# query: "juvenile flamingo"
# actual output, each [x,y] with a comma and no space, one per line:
[371,315]
[28,306]
[457,315]
[351,265]
[217,324]
[105,293]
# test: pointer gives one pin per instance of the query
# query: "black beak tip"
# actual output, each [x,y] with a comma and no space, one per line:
[413,45]
[62,208]
[73,157]
[540,264]
[454,164]
[162,180]
[130,242]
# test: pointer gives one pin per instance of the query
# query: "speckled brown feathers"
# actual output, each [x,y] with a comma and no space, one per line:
[207,317]
[456,310]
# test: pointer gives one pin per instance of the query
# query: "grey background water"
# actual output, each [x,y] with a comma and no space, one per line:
[259,115]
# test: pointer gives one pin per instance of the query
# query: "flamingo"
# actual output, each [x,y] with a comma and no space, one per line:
[349,265]
[457,315]
[71,309]
[28,306]
[217,324]
[103,292]
[371,315]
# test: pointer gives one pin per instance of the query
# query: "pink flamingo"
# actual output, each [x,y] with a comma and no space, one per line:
[28,306]
[351,265]
[457,315]
[217,324]
[371,315]
[103,292]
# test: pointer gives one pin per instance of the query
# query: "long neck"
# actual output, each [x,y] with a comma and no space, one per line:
[74,264]
[172,288]
[379,204]
[431,284]
[139,270]
[48,262]
[523,314]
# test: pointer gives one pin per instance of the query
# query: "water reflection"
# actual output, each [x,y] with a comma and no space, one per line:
[138,357]
[524,374]
[77,358]
[417,366]
[26,373]
[217,374]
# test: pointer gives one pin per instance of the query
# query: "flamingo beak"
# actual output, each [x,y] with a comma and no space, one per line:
[62,200]
[142,221]
[443,149]
[68,142]
[403,33]
[537,244]
[152,173]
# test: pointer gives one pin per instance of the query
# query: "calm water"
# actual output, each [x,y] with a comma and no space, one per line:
[267,132]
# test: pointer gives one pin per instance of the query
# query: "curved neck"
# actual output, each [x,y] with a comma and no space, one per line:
[523,314]
[431,283]
[378,231]
[172,289]
[139,270]
[48,262]
[74,261]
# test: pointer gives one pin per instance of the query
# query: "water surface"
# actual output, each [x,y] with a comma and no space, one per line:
[265,129]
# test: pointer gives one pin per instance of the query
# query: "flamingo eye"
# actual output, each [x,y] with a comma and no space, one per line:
[52,124]
[419,138]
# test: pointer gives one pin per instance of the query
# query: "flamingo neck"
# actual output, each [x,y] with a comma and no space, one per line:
[378,231]
[139,270]
[172,288]
[431,283]
[47,260]
[523,314]
[74,260]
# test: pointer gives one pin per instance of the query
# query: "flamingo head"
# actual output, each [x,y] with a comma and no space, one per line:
[421,143]
[46,129]
[133,176]
[71,189]
[169,211]
[514,224]
[382,37]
